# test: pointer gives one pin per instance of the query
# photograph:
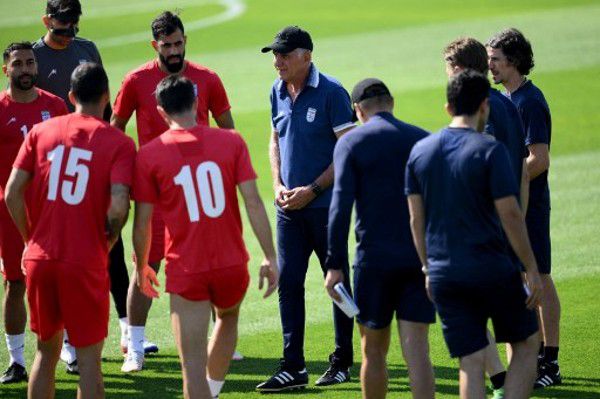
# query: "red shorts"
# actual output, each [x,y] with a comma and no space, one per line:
[11,247]
[157,243]
[66,295]
[224,288]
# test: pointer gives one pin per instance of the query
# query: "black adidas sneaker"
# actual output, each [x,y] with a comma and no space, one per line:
[284,380]
[548,375]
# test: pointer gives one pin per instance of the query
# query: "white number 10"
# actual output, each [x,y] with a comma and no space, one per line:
[71,193]
[208,176]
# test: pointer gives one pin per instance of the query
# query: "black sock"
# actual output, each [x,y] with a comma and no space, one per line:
[498,380]
[551,354]
[541,351]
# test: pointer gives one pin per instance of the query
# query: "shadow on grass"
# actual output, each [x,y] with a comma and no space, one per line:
[161,378]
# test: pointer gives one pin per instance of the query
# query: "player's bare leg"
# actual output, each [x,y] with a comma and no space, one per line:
[522,368]
[221,346]
[493,365]
[189,320]
[138,306]
[15,319]
[373,370]
[414,339]
[472,375]
[15,313]
[91,385]
[41,380]
[550,311]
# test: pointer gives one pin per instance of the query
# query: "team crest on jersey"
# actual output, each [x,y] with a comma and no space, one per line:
[310,114]
[195,90]
[46,115]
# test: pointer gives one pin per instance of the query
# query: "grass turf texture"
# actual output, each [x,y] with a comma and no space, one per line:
[400,42]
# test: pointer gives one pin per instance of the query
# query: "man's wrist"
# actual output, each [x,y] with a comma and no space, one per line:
[316,189]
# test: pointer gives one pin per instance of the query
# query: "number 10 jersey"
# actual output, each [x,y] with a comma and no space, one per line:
[191,176]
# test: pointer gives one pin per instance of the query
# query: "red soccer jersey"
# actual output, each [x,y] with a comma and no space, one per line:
[74,159]
[137,94]
[191,177]
[16,119]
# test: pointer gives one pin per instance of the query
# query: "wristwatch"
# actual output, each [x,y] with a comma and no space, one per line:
[316,189]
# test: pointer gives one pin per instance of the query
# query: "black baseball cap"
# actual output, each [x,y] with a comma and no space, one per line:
[368,88]
[289,39]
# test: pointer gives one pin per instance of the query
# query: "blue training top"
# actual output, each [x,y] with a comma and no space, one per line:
[459,174]
[307,127]
[369,165]
[535,114]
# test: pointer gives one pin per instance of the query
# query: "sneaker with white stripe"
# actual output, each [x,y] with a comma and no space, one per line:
[548,375]
[334,375]
[284,380]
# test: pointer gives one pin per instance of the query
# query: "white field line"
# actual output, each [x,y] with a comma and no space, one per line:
[106,9]
[233,9]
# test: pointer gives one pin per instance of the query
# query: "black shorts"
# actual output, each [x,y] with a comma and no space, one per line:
[379,293]
[465,308]
[538,227]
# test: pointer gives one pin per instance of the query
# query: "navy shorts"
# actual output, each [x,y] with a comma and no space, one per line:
[381,293]
[538,227]
[465,308]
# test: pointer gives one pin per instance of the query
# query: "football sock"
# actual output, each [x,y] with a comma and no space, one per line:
[16,348]
[123,324]
[215,386]
[541,351]
[498,380]
[136,338]
[551,354]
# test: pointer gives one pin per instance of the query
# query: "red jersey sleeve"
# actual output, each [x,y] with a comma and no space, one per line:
[123,165]
[145,188]
[126,101]
[243,169]
[25,160]
[218,101]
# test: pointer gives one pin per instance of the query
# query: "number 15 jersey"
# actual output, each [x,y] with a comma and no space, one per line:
[191,175]
[73,159]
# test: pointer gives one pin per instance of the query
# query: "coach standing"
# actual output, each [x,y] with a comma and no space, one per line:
[309,112]
[58,53]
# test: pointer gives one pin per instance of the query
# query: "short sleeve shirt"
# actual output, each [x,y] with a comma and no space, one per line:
[535,114]
[16,120]
[137,94]
[191,176]
[459,174]
[56,66]
[74,160]
[306,129]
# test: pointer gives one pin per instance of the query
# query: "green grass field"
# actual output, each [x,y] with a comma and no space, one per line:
[401,43]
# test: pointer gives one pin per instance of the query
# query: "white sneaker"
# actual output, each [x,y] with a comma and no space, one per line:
[150,347]
[67,353]
[237,356]
[133,362]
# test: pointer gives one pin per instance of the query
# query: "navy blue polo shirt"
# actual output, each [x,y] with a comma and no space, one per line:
[459,174]
[535,114]
[504,123]
[306,129]
[369,165]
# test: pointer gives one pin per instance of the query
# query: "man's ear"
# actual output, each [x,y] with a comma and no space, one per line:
[72,98]
[163,114]
[154,44]
[46,21]
[449,109]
